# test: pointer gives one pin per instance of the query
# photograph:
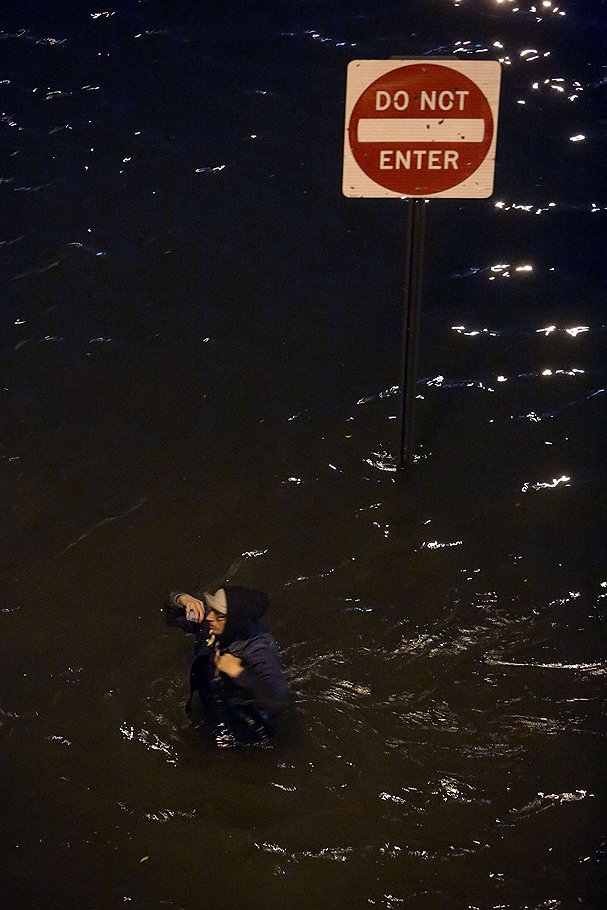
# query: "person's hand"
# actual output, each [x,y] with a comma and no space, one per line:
[230,665]
[192,605]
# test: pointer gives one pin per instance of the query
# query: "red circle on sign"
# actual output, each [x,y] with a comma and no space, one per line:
[417,99]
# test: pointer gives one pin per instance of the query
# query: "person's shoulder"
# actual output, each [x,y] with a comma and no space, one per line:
[262,638]
[260,642]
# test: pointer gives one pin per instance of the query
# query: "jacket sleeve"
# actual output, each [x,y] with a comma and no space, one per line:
[263,677]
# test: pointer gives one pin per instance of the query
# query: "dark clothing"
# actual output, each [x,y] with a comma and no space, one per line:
[241,710]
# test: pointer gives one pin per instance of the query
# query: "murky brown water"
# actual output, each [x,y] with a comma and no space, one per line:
[200,341]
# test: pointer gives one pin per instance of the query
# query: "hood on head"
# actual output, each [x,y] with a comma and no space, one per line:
[246,606]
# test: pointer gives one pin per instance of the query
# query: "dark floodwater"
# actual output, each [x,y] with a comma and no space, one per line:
[200,339]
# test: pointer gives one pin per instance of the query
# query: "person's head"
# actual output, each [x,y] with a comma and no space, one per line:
[234,612]
[216,610]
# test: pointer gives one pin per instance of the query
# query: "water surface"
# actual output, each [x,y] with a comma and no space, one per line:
[200,360]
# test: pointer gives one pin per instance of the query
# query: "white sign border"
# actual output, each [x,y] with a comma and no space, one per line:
[362,73]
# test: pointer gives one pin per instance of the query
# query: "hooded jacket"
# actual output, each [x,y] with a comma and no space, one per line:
[262,682]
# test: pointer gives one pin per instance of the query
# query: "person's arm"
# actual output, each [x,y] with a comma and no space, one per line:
[263,677]
[189,603]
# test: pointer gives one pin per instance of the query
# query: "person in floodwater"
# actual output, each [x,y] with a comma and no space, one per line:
[236,674]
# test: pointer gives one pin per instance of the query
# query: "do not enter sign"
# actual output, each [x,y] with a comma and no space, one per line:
[421,128]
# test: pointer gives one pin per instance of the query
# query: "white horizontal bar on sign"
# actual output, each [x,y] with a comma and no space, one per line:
[414,129]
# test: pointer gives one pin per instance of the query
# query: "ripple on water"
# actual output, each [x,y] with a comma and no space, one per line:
[151,741]
[545,801]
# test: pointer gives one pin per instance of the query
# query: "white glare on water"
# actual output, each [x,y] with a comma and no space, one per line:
[546,485]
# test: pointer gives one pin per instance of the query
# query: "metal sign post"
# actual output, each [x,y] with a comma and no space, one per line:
[419,129]
[414,254]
